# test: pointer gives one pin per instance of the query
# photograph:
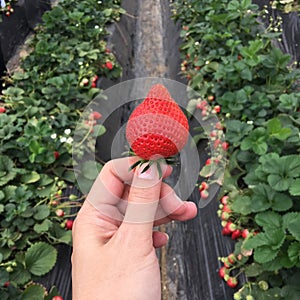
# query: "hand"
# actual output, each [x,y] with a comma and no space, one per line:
[113,239]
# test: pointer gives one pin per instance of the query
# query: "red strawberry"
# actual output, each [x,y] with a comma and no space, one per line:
[69,224]
[56,154]
[225,146]
[245,233]
[95,115]
[204,194]
[203,186]
[231,258]
[57,298]
[222,272]
[109,65]
[208,162]
[226,231]
[217,108]
[232,282]
[226,209]
[224,200]
[225,215]
[2,110]
[217,142]
[236,234]
[157,127]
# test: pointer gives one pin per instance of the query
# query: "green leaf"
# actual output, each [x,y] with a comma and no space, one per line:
[275,130]
[295,187]
[242,205]
[261,199]
[269,219]
[4,277]
[42,227]
[40,258]
[265,254]
[281,202]
[33,292]
[294,228]
[290,218]
[41,212]
[253,270]
[272,265]
[99,130]
[278,182]
[272,238]
[290,292]
[20,275]
[294,252]
[30,177]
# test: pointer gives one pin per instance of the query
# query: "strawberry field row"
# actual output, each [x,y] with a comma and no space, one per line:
[230,59]
[39,110]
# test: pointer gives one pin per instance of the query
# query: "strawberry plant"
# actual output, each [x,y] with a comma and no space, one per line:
[7,7]
[230,59]
[39,110]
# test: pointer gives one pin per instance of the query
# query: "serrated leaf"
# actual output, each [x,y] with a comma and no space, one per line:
[295,187]
[290,218]
[242,205]
[42,227]
[255,241]
[30,177]
[272,265]
[279,183]
[294,252]
[253,270]
[20,275]
[272,238]
[281,202]
[40,258]
[269,219]
[294,229]
[265,254]
[41,212]
[33,292]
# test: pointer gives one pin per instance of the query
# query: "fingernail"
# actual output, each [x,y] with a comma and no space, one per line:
[146,174]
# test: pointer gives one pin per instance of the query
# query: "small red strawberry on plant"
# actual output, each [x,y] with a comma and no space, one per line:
[222,272]
[157,128]
[56,154]
[232,282]
[2,110]
[69,224]
[245,233]
[236,234]
[109,65]
[95,115]
[57,298]
[231,258]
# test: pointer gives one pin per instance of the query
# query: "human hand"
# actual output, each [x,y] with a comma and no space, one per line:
[113,239]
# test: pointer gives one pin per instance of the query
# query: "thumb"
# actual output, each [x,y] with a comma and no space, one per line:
[143,200]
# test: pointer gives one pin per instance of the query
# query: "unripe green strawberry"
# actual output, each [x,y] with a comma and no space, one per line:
[157,127]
